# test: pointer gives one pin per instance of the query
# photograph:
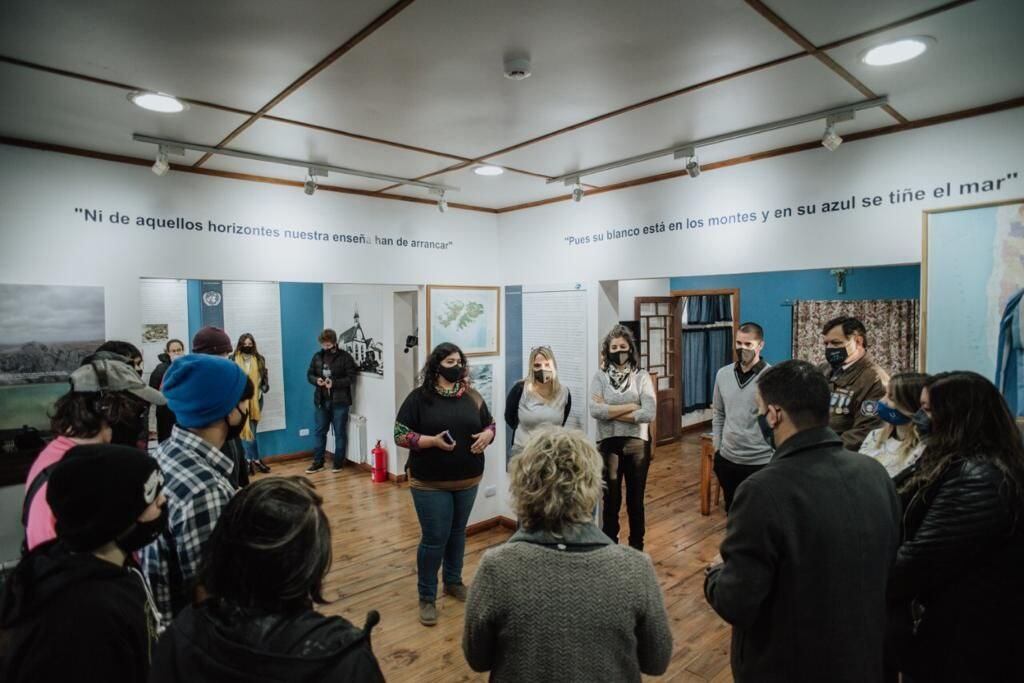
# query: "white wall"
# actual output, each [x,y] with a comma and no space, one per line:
[630,289]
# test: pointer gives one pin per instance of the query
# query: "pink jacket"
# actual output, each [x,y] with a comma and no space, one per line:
[41,525]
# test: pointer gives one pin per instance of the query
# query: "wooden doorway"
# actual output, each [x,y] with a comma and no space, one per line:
[660,348]
[681,296]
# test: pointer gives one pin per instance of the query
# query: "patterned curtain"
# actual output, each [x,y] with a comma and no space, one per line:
[893,329]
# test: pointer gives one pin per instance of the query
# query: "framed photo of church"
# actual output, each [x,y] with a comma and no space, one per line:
[467,316]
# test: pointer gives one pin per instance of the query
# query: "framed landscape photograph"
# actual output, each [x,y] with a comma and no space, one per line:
[467,316]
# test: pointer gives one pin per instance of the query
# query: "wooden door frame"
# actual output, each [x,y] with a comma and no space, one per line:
[680,293]
[677,349]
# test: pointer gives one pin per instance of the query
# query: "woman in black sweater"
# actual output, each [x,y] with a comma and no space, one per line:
[446,426]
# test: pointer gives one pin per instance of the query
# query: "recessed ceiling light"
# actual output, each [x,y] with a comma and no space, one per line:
[488,170]
[897,51]
[155,101]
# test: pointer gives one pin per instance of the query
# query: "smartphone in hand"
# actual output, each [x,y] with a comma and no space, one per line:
[448,438]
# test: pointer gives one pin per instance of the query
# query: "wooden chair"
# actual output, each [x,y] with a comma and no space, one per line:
[707,475]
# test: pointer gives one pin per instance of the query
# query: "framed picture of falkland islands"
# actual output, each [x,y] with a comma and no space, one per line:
[467,316]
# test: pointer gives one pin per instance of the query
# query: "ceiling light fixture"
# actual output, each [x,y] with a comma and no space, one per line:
[157,101]
[488,170]
[577,190]
[842,113]
[319,168]
[902,50]
[442,203]
[831,139]
[692,165]
[309,187]
[162,163]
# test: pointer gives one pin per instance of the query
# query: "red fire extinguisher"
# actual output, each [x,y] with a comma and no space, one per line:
[380,463]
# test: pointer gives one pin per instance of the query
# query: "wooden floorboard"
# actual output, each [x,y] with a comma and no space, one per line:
[375,535]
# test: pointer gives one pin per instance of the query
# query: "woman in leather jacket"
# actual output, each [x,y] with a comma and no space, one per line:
[957,581]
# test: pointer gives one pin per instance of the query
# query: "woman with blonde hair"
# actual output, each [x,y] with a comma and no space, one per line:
[896,444]
[560,600]
[538,399]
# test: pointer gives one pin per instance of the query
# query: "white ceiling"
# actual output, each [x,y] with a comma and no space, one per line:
[430,77]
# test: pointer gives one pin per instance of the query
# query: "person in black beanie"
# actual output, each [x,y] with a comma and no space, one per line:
[213,341]
[77,607]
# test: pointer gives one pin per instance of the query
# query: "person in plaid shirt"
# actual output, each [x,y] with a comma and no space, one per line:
[209,396]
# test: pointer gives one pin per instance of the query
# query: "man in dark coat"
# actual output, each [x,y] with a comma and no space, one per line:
[809,546]
[332,372]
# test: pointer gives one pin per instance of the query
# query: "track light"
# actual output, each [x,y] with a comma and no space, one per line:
[692,165]
[577,191]
[831,139]
[442,203]
[310,186]
[162,164]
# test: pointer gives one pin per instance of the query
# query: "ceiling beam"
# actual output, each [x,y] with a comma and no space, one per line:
[359,37]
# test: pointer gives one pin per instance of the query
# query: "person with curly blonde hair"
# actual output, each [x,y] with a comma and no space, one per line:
[560,600]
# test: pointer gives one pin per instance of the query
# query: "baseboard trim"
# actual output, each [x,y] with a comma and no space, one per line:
[486,524]
[301,455]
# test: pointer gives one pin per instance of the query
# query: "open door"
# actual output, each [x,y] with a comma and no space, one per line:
[660,353]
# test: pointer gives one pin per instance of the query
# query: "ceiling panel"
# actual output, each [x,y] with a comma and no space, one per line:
[296,142]
[491,191]
[238,53]
[66,111]
[433,76]
[976,60]
[758,98]
[825,21]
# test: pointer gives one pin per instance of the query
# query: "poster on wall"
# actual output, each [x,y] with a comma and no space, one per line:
[361,329]
[45,333]
[465,316]
[481,378]
[164,306]
[973,263]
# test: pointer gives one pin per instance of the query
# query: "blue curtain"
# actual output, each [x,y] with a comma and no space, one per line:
[704,352]
[1010,361]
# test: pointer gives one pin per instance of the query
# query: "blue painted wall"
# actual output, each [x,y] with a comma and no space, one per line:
[762,295]
[302,319]
[195,310]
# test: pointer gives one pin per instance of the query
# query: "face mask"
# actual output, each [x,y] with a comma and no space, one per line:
[247,350]
[746,356]
[836,357]
[452,374]
[923,422]
[890,414]
[143,533]
[235,431]
[767,432]
[542,376]
[621,357]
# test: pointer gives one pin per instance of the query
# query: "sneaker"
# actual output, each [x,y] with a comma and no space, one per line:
[459,591]
[428,613]
[336,468]
[314,468]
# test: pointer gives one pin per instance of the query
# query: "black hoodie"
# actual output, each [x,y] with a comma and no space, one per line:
[73,617]
[216,641]
[165,419]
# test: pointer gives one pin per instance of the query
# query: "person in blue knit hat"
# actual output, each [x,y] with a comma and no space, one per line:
[209,397]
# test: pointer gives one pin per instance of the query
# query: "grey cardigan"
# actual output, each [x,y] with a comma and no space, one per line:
[639,391]
[538,611]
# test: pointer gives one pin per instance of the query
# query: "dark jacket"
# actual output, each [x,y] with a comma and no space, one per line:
[809,545]
[960,566]
[863,381]
[165,419]
[221,643]
[73,617]
[343,377]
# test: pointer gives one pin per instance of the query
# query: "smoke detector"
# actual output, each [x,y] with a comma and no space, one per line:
[517,68]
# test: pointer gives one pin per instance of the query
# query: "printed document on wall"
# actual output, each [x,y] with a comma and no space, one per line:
[557,318]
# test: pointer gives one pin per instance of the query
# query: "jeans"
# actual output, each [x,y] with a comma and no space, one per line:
[329,415]
[252,448]
[624,458]
[730,476]
[443,516]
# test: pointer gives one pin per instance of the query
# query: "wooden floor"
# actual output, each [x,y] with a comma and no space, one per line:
[375,538]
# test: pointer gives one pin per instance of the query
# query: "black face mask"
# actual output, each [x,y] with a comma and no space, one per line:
[143,533]
[542,376]
[836,357]
[247,350]
[127,433]
[767,432]
[923,422]
[452,374]
[746,356]
[235,431]
[621,357]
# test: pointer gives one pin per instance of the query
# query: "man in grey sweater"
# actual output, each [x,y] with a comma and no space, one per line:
[740,448]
